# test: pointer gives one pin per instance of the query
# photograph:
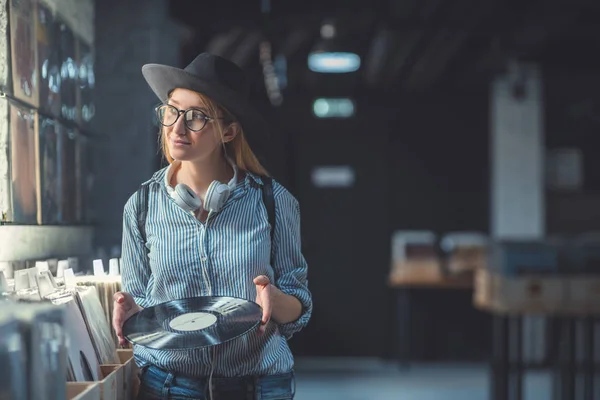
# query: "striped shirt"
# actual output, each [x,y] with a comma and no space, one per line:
[220,257]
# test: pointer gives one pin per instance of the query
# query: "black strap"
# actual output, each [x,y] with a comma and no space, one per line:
[142,209]
[267,196]
[269,200]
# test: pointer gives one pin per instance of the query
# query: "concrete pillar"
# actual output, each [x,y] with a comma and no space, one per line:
[517,155]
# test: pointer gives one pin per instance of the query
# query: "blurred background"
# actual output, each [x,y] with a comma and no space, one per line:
[444,154]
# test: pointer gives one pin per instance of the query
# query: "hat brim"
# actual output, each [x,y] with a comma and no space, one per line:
[163,79]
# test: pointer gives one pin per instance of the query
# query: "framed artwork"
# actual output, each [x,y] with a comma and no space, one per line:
[85,178]
[50,188]
[86,82]
[24,165]
[48,61]
[23,45]
[69,176]
[68,72]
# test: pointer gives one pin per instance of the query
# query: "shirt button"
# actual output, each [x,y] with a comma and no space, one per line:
[203,258]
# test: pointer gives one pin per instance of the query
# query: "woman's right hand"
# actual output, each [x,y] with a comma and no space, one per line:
[123,307]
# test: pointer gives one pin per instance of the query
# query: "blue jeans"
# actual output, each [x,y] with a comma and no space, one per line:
[156,384]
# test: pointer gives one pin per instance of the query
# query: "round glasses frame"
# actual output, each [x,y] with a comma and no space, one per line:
[164,107]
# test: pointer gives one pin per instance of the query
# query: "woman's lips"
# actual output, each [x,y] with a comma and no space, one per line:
[179,142]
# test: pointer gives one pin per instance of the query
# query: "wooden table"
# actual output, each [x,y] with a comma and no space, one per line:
[508,365]
[404,284]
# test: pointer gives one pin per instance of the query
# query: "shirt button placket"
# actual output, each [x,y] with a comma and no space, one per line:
[202,245]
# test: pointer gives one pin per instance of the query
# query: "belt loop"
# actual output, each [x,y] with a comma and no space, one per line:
[167,386]
[293,384]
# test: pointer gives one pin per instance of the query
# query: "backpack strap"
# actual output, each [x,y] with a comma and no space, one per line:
[142,198]
[267,196]
[269,200]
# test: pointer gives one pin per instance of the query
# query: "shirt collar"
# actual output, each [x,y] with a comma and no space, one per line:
[163,176]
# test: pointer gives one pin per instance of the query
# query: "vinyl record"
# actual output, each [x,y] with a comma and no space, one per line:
[195,322]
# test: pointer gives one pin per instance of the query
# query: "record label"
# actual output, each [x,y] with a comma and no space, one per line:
[193,321]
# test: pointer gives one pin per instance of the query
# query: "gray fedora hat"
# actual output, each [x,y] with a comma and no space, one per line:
[219,79]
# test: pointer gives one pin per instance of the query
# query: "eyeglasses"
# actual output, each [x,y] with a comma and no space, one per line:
[194,119]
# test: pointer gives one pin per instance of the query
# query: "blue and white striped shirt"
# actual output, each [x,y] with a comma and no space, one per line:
[230,249]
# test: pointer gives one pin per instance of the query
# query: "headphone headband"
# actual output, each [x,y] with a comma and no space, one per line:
[216,194]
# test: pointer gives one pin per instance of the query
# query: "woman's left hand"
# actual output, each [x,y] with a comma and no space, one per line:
[264,297]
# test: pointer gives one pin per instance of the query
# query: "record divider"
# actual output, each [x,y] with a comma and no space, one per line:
[119,381]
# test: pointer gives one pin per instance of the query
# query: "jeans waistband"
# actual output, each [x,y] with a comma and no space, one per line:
[216,380]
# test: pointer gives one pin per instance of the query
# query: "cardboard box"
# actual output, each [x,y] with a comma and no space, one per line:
[520,295]
[83,391]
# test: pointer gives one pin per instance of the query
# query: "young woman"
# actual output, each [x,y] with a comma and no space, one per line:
[207,233]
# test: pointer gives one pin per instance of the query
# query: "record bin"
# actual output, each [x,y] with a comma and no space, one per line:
[53,316]
[83,391]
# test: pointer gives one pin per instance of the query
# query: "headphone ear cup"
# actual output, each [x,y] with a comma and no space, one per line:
[216,196]
[185,198]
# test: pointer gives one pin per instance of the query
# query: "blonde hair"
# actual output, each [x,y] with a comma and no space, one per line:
[238,148]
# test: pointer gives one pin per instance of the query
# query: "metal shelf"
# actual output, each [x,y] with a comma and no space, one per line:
[31,242]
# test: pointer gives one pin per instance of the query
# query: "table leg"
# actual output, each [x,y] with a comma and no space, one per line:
[588,358]
[500,358]
[566,362]
[517,345]
[403,326]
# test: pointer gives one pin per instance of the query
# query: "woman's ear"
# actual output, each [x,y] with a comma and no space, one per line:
[230,132]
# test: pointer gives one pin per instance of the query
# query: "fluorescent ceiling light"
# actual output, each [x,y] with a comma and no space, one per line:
[333,62]
[333,108]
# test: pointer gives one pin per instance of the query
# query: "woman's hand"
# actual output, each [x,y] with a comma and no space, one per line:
[123,307]
[264,298]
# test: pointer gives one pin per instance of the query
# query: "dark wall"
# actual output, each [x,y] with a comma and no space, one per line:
[434,154]
[439,162]
[573,120]
[439,169]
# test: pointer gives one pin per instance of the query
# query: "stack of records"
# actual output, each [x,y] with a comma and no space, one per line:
[106,287]
[46,310]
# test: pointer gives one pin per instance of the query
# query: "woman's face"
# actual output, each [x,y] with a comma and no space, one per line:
[183,143]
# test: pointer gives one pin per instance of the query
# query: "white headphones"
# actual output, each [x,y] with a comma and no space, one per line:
[216,195]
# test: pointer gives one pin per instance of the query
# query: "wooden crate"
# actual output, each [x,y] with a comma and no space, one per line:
[111,384]
[131,380]
[83,391]
[520,295]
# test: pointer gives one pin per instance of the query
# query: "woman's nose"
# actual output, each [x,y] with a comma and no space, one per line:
[179,127]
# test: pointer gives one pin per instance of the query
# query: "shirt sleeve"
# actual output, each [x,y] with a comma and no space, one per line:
[290,266]
[135,267]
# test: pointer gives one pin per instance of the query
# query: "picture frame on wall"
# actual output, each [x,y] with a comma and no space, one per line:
[86,108]
[50,172]
[69,72]
[68,148]
[23,44]
[84,178]
[24,165]
[48,61]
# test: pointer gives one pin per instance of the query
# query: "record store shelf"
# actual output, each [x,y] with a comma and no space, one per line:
[27,242]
